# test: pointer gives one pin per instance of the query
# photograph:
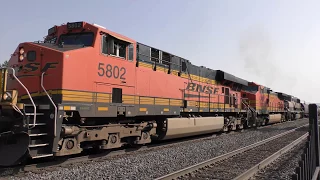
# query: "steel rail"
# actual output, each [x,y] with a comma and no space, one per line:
[203,164]
[316,173]
[252,171]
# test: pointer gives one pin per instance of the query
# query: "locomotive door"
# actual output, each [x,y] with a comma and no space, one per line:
[263,100]
[115,83]
[116,97]
[226,96]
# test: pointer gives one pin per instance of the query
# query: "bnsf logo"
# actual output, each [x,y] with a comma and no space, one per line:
[31,67]
[202,89]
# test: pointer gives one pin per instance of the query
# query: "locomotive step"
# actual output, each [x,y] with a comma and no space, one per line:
[38,145]
[32,114]
[40,121]
[38,139]
[40,106]
[40,134]
[41,156]
[38,124]
[39,149]
[38,130]
[28,108]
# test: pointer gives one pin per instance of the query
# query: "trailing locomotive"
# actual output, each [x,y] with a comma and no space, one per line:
[87,87]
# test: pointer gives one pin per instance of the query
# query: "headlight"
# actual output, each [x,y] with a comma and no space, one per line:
[21,54]
[7,96]
[21,50]
[21,58]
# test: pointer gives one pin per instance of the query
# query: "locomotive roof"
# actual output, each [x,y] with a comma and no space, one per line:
[145,51]
[112,33]
[284,94]
[221,75]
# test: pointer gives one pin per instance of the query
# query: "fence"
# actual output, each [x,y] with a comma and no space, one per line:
[309,165]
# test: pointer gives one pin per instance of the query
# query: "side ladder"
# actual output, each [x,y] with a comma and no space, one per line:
[40,139]
[36,117]
[251,114]
[41,142]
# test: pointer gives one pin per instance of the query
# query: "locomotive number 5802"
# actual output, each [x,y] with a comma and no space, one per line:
[109,71]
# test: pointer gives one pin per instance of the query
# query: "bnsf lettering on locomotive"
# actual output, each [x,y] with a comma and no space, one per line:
[31,67]
[203,89]
[48,66]
[109,71]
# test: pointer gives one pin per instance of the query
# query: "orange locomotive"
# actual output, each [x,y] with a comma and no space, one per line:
[87,87]
[267,105]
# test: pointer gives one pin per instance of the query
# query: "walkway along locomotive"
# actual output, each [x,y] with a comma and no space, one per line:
[87,87]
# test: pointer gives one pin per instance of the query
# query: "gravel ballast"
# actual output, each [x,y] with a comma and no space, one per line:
[160,162]
[234,166]
[284,167]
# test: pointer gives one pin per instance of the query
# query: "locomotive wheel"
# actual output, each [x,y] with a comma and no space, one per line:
[13,148]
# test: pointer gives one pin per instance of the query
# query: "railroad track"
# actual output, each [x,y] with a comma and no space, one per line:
[64,161]
[243,163]
[60,161]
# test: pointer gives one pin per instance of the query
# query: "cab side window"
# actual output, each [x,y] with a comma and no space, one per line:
[104,45]
[117,48]
[130,49]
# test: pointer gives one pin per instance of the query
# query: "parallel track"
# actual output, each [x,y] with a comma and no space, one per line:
[63,161]
[230,164]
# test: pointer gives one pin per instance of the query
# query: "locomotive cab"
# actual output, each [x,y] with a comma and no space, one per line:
[29,90]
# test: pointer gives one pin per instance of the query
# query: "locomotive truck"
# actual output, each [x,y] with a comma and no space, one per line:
[87,87]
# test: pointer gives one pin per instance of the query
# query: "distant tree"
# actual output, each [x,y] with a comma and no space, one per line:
[4,64]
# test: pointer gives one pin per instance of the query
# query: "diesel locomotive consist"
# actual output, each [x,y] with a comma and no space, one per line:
[86,87]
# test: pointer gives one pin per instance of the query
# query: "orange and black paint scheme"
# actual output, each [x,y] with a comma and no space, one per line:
[87,87]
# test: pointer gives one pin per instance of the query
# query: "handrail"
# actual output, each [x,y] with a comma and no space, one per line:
[33,104]
[15,107]
[243,102]
[55,107]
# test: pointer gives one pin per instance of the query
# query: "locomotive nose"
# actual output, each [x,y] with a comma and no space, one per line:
[13,147]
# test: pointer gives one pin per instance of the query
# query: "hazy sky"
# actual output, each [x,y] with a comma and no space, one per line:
[274,42]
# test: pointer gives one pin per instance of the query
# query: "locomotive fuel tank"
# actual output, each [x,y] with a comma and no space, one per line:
[274,118]
[183,127]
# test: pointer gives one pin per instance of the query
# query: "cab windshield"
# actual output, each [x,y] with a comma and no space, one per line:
[83,39]
[251,88]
